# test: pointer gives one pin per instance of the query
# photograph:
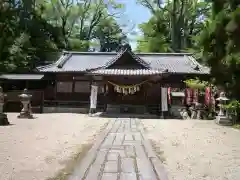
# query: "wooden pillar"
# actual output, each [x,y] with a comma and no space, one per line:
[42,102]
[105,98]
[145,97]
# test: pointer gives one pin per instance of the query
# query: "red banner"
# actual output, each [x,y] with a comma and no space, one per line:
[208,96]
[169,95]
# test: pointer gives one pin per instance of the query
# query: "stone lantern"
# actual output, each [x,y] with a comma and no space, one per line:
[222,117]
[25,99]
[3,117]
[199,110]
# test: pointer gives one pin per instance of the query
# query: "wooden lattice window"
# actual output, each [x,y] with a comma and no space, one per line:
[64,86]
[82,87]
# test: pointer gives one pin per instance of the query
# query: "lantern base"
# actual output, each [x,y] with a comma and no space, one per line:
[3,120]
[92,111]
[223,120]
[25,115]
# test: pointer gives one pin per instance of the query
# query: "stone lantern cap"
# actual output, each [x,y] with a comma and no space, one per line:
[222,97]
[25,94]
[1,92]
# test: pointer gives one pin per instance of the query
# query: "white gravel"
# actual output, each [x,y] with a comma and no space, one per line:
[195,149]
[37,149]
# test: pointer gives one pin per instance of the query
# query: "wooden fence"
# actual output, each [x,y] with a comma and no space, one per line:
[13,104]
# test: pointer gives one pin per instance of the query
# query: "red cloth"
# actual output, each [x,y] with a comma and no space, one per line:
[208,98]
[189,96]
[169,95]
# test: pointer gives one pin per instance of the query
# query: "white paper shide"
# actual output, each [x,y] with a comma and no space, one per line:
[93,97]
[164,96]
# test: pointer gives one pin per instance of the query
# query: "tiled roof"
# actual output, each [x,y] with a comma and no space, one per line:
[79,62]
[175,63]
[129,72]
[22,76]
[85,61]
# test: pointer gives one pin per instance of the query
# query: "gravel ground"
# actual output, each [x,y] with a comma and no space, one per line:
[37,149]
[196,150]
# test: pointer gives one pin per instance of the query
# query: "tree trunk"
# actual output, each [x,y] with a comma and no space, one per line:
[174,24]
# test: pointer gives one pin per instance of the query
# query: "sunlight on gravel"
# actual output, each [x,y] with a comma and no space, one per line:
[36,149]
[196,150]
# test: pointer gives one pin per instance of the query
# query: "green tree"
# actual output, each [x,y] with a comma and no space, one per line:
[25,36]
[32,29]
[178,24]
[221,45]
[156,36]
[79,19]
[109,34]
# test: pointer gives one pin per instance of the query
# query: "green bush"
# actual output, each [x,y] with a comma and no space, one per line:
[233,109]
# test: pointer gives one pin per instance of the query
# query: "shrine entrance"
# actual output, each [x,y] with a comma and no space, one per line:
[126,90]
[130,84]
[128,94]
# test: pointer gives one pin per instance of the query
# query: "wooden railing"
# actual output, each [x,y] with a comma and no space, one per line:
[13,104]
[37,95]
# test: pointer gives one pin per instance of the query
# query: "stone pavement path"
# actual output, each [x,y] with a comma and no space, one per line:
[121,153]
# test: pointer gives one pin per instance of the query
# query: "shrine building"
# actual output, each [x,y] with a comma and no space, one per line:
[122,82]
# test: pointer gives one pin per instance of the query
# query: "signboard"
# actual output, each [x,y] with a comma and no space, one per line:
[164,97]
[93,97]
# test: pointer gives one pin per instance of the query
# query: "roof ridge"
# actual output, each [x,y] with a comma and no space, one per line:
[195,62]
[114,59]
[140,60]
[59,63]
[44,66]
[63,60]
[166,54]
[137,58]
[111,53]
[94,52]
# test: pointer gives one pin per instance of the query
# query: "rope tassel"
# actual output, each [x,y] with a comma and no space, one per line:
[127,89]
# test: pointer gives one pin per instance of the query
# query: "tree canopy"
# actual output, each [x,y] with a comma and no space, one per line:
[32,30]
[209,29]
[174,26]
[221,47]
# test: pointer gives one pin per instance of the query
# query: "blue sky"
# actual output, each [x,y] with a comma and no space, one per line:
[134,14]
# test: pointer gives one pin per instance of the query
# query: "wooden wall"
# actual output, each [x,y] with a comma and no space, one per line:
[71,90]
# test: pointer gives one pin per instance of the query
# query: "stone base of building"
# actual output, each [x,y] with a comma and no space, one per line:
[65,110]
[3,120]
[223,120]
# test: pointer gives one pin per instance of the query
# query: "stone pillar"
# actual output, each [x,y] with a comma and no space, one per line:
[3,117]
[93,98]
[199,110]
[25,99]
[193,112]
